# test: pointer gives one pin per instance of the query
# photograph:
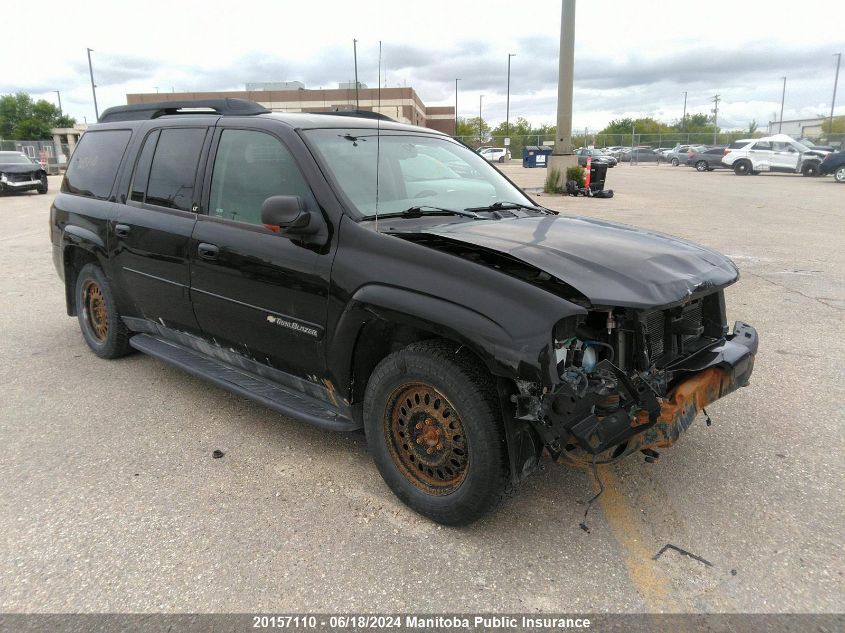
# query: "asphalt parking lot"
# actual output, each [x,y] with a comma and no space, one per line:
[111,500]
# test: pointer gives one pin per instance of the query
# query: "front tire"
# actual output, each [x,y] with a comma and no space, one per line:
[675,162]
[101,325]
[42,188]
[701,165]
[839,174]
[811,170]
[434,429]
[501,159]
[742,168]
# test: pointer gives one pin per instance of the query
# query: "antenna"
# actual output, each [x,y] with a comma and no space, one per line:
[378,129]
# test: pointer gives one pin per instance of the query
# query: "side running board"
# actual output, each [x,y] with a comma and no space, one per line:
[286,401]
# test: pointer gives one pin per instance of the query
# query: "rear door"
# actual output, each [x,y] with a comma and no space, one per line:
[761,155]
[152,226]
[255,291]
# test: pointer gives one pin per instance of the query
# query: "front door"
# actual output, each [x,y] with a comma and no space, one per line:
[784,156]
[255,291]
[152,228]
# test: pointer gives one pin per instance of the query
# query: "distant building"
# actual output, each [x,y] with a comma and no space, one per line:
[275,85]
[798,128]
[401,104]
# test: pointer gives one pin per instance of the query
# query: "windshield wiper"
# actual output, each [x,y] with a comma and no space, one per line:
[500,206]
[424,209]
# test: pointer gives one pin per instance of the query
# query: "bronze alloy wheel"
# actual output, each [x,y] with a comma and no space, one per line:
[94,304]
[426,438]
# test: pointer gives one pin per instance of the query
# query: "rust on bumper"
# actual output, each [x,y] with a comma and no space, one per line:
[682,405]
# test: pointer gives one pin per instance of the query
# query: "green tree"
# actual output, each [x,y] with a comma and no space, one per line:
[752,127]
[473,131]
[838,125]
[21,118]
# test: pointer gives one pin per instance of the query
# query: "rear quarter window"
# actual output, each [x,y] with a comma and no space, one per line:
[737,145]
[94,164]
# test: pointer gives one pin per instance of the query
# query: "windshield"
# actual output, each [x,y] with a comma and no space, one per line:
[13,158]
[413,171]
[803,145]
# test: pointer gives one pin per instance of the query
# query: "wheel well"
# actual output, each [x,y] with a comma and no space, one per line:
[377,339]
[74,259]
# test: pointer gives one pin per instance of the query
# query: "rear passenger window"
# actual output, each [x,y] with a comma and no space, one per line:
[138,191]
[94,164]
[250,167]
[174,168]
[766,145]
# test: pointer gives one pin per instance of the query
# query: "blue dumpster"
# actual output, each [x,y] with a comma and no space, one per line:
[535,156]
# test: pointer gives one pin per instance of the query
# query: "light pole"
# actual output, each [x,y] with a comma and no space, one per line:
[457,79]
[93,85]
[480,120]
[59,95]
[835,82]
[562,156]
[782,99]
[156,89]
[508,103]
[684,117]
[716,100]
[355,57]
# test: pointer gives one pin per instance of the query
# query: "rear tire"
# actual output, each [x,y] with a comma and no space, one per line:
[811,170]
[742,168]
[701,165]
[839,174]
[675,162]
[434,428]
[101,325]
[501,159]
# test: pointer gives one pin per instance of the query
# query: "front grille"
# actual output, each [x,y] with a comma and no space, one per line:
[655,335]
[20,177]
[692,318]
[662,331]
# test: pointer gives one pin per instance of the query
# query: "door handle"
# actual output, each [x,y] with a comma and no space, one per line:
[208,251]
[122,230]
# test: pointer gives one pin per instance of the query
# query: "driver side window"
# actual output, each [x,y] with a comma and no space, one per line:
[250,167]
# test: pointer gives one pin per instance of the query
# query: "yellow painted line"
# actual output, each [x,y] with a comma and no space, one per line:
[629,532]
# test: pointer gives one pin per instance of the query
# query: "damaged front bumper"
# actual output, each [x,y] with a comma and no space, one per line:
[658,421]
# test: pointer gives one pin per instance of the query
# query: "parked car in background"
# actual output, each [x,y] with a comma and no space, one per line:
[640,155]
[18,172]
[780,153]
[495,154]
[834,163]
[597,157]
[678,154]
[820,148]
[706,158]
[664,151]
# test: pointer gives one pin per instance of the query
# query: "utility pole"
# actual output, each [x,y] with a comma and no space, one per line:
[716,100]
[684,118]
[156,89]
[562,156]
[480,120]
[835,82]
[93,85]
[782,99]
[508,103]
[355,57]
[59,95]
[457,79]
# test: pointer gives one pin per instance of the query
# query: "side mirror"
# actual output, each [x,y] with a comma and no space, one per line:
[287,214]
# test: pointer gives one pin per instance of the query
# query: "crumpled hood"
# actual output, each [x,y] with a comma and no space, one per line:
[17,168]
[611,264]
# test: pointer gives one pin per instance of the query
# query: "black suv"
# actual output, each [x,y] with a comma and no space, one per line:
[355,272]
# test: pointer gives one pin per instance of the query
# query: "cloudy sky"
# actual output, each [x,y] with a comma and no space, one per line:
[631,58]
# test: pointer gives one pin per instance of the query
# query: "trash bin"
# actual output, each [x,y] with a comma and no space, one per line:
[598,174]
[535,156]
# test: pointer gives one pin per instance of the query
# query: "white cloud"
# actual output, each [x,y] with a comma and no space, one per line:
[632,59]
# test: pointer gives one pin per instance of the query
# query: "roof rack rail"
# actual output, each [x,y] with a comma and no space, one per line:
[142,111]
[364,114]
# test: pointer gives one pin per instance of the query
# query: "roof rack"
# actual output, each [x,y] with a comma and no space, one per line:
[364,114]
[142,111]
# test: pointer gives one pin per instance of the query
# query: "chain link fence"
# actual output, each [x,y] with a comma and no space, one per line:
[52,156]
